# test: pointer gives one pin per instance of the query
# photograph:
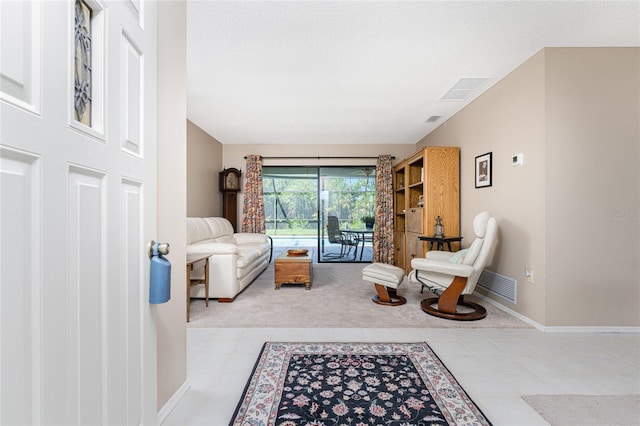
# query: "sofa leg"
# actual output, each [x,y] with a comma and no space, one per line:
[226,299]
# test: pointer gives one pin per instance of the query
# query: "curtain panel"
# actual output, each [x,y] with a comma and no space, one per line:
[383,234]
[253,205]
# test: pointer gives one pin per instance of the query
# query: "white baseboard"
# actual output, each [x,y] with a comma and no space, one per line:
[558,329]
[591,329]
[168,407]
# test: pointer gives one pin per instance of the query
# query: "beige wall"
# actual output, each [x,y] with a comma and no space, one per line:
[573,113]
[592,187]
[172,112]
[233,156]
[204,162]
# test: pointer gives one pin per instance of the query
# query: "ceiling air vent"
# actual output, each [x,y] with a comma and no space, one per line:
[433,119]
[463,88]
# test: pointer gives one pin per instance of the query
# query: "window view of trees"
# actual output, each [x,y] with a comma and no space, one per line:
[350,199]
[290,205]
[296,198]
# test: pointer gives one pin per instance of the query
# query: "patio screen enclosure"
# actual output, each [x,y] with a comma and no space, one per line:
[299,200]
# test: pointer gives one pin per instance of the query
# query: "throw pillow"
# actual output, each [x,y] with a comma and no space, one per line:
[458,257]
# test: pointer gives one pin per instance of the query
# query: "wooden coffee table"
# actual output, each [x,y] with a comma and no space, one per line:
[293,269]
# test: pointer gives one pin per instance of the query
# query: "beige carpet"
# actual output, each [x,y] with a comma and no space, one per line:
[585,410]
[338,298]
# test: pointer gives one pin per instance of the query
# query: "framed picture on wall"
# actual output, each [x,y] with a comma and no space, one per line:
[483,170]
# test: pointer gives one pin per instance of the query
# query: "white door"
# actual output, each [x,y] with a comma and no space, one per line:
[77,334]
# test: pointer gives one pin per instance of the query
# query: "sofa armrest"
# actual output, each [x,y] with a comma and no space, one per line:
[213,248]
[250,237]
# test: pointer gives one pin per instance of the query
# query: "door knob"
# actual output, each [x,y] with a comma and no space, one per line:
[163,248]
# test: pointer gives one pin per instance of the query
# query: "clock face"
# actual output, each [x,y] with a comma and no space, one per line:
[232,181]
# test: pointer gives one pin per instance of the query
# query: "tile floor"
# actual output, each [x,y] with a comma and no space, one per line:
[495,366]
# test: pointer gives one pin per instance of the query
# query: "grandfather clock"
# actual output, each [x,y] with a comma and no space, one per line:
[230,185]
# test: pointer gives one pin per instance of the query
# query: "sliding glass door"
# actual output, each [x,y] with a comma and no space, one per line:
[291,206]
[347,202]
[324,208]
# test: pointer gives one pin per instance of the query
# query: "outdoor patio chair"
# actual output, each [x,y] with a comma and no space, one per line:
[346,240]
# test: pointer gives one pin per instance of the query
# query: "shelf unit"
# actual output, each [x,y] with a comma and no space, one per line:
[430,177]
[399,207]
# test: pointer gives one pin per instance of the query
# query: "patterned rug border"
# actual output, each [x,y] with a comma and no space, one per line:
[424,359]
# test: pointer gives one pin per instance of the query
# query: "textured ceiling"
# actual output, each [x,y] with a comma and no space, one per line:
[342,72]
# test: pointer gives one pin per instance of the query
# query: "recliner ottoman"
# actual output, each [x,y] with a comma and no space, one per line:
[386,278]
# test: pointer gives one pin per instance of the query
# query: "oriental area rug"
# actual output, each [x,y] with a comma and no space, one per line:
[353,384]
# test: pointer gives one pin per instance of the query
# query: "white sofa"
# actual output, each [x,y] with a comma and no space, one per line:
[236,258]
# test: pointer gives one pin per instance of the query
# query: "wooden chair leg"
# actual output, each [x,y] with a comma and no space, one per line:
[383,294]
[449,298]
[387,296]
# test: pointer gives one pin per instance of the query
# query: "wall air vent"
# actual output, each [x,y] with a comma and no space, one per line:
[463,88]
[499,285]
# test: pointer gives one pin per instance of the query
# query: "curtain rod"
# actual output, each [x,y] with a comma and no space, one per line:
[321,158]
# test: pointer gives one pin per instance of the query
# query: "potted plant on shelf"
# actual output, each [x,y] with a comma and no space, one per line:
[368,221]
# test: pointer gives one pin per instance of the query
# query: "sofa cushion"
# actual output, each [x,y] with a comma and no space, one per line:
[219,227]
[197,230]
[206,228]
[213,247]
[228,239]
[260,248]
[248,255]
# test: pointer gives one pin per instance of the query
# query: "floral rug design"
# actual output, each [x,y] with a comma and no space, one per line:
[353,384]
